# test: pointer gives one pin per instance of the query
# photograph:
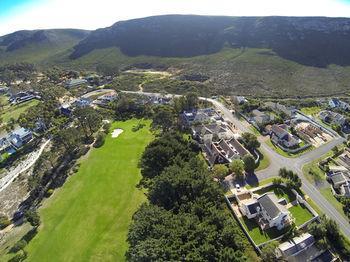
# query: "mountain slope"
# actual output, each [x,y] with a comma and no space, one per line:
[312,41]
[37,45]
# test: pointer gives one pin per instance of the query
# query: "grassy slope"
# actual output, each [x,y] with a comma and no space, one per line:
[88,219]
[17,110]
[238,71]
[41,52]
[248,71]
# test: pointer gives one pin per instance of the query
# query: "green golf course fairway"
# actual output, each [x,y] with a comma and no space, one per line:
[88,218]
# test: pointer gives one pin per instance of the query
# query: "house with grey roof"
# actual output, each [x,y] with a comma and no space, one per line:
[261,118]
[206,132]
[266,209]
[281,136]
[223,151]
[303,248]
[20,137]
[199,116]
[272,213]
[338,179]
[279,108]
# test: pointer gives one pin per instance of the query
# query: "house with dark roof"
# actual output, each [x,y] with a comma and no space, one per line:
[281,136]
[66,110]
[272,213]
[266,209]
[336,103]
[3,90]
[302,248]
[223,151]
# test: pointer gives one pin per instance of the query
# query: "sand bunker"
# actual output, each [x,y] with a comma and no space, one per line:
[117,132]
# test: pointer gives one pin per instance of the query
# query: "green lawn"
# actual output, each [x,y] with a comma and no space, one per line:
[260,236]
[88,218]
[327,194]
[264,161]
[316,175]
[301,214]
[311,110]
[11,239]
[280,192]
[286,154]
[4,100]
[15,111]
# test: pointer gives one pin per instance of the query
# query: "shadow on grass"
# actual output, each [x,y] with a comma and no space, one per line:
[260,236]
[279,191]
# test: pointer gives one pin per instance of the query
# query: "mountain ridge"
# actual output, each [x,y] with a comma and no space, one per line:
[293,38]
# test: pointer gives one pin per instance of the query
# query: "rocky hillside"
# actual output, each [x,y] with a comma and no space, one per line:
[313,41]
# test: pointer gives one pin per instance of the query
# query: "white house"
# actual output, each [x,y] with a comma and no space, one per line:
[266,209]
[206,132]
[20,136]
[272,213]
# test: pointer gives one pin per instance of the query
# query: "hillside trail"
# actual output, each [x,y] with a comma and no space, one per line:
[22,167]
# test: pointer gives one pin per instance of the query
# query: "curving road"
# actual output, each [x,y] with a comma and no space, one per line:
[277,161]
[296,164]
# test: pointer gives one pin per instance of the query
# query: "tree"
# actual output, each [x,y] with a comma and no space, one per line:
[70,138]
[108,69]
[20,245]
[163,118]
[251,141]
[220,171]
[192,100]
[4,221]
[164,151]
[335,150]
[32,217]
[268,252]
[187,102]
[249,163]
[89,120]
[290,178]
[237,167]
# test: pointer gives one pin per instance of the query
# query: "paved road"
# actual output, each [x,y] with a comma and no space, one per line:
[295,164]
[277,161]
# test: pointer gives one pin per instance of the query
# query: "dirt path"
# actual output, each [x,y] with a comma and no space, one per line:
[22,167]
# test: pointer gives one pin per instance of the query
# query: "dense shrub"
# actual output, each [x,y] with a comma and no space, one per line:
[20,245]
[32,217]
[4,221]
[100,140]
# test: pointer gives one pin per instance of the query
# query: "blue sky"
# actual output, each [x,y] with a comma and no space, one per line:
[8,7]
[89,14]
